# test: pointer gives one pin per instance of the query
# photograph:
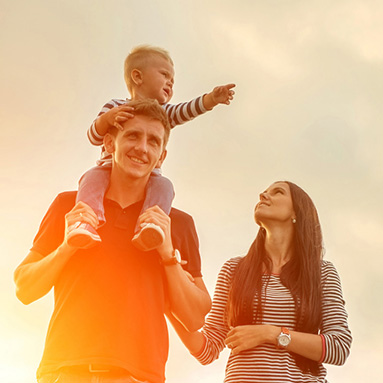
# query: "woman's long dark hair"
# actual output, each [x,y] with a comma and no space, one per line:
[301,275]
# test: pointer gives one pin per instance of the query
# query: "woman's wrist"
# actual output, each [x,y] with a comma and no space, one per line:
[272,334]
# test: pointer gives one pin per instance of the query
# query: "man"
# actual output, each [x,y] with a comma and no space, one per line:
[108,323]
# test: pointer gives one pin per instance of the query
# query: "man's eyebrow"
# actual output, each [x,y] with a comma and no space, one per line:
[155,136]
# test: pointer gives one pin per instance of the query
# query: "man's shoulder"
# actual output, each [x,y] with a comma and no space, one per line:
[69,196]
[182,223]
[65,200]
[180,215]
[185,239]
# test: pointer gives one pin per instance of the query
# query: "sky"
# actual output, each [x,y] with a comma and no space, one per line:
[308,108]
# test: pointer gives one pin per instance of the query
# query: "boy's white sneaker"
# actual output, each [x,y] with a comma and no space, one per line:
[82,236]
[149,237]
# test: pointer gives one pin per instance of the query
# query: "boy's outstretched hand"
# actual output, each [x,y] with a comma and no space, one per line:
[222,94]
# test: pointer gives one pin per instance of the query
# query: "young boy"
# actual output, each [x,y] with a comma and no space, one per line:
[149,73]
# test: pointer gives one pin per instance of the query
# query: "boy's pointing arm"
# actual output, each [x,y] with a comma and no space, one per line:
[222,94]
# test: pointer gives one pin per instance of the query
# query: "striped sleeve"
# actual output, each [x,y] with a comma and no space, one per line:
[336,334]
[177,114]
[184,112]
[216,328]
[93,136]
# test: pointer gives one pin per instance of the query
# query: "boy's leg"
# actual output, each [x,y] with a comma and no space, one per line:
[91,190]
[159,191]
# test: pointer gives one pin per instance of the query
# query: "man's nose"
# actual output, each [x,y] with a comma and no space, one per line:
[142,145]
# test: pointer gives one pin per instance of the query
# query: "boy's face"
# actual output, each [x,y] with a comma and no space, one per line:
[157,80]
[138,149]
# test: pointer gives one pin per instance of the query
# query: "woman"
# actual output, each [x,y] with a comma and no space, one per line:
[280,308]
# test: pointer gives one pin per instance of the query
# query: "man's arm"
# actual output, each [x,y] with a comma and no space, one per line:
[37,274]
[189,300]
[194,341]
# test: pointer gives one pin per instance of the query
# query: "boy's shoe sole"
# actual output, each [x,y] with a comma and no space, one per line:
[82,236]
[149,237]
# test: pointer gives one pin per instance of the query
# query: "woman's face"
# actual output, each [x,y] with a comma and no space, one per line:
[275,205]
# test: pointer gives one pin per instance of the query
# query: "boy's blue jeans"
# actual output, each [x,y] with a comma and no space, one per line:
[94,183]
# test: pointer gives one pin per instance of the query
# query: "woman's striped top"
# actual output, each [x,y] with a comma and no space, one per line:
[177,115]
[266,363]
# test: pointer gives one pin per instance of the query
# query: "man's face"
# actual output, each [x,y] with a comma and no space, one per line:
[138,149]
[158,80]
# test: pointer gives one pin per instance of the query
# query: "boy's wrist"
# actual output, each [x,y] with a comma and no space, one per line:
[208,101]
[101,124]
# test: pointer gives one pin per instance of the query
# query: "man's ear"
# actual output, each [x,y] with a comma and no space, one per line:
[136,76]
[162,158]
[109,143]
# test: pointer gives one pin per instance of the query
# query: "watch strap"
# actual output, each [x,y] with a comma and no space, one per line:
[286,331]
[173,260]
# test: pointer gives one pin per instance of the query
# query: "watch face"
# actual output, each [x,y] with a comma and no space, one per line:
[284,340]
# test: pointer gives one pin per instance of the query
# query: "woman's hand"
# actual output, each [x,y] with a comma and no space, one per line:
[243,338]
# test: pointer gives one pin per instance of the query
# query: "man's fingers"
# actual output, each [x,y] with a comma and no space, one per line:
[82,213]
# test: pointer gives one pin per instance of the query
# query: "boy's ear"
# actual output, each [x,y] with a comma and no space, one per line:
[137,76]
[109,143]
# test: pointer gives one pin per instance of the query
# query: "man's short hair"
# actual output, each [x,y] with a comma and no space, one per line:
[152,109]
[139,57]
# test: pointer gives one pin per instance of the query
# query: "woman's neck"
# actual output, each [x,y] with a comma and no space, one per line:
[279,247]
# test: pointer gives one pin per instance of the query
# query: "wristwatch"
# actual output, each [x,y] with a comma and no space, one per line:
[284,338]
[174,260]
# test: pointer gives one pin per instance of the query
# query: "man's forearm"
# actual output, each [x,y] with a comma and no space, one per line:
[36,275]
[189,301]
[193,341]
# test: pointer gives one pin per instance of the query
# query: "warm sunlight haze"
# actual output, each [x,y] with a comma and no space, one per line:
[307,108]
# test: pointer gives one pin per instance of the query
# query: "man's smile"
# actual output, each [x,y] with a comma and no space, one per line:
[137,160]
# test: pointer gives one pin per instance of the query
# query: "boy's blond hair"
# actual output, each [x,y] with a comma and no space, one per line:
[139,58]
